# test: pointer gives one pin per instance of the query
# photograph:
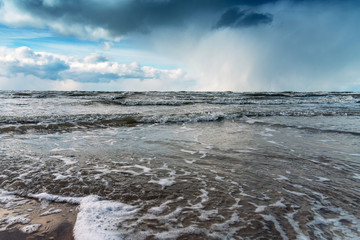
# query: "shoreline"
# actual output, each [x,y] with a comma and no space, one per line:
[35,220]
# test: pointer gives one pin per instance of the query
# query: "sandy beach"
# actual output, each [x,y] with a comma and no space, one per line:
[38,220]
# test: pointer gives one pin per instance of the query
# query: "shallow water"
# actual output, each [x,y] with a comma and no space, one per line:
[187,165]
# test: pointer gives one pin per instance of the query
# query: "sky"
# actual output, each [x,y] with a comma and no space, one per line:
[174,45]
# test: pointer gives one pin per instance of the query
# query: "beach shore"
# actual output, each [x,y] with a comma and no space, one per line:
[36,220]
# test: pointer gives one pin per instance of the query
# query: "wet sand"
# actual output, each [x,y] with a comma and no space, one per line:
[57,221]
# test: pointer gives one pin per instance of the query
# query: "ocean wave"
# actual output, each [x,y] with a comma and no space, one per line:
[67,123]
[305,128]
[48,124]
[189,95]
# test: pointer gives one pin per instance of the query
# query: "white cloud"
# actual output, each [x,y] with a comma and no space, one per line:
[83,31]
[107,45]
[23,68]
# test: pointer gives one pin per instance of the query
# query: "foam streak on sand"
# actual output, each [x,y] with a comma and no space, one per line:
[12,220]
[277,225]
[30,228]
[295,225]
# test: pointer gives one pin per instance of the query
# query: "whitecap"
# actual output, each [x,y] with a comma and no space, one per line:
[101,219]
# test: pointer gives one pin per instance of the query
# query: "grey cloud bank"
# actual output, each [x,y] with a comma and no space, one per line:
[113,19]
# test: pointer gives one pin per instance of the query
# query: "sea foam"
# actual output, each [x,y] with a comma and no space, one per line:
[101,219]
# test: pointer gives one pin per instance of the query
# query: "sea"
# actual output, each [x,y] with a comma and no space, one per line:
[187,165]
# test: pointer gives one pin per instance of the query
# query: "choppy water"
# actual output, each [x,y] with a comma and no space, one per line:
[193,165]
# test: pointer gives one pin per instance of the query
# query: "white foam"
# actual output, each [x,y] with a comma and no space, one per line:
[146,159]
[260,208]
[144,169]
[236,204]
[326,140]
[295,193]
[251,121]
[9,199]
[56,198]
[111,141]
[185,128]
[51,211]
[276,224]
[30,228]
[295,226]
[355,154]
[21,176]
[59,176]
[225,225]
[203,154]
[335,224]
[356,175]
[164,182]
[171,217]
[66,160]
[12,220]
[242,192]
[188,151]
[190,161]
[218,178]
[63,149]
[281,178]
[101,219]
[205,214]
[278,204]
[322,179]
[160,209]
[186,173]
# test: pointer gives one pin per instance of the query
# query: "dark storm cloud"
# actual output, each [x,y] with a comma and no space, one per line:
[235,17]
[122,17]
